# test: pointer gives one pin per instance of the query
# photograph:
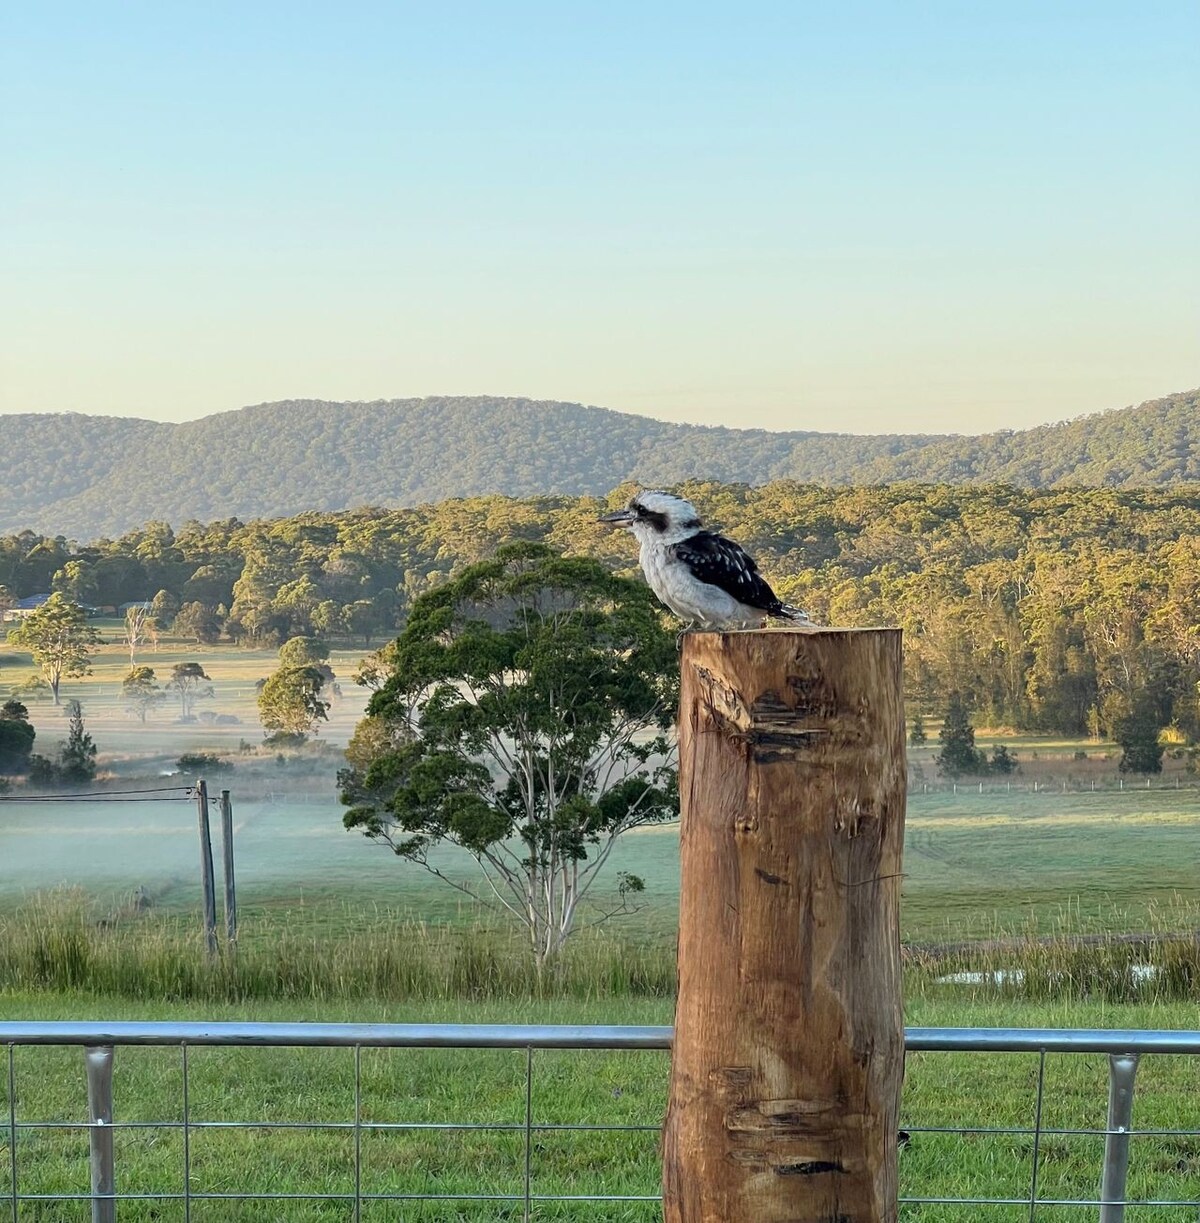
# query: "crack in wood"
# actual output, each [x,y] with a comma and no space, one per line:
[769,725]
[808,1167]
[780,1118]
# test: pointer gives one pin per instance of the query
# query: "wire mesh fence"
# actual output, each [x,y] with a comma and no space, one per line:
[358,1122]
[1050,786]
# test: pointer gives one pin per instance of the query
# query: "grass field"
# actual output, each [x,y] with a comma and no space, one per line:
[274,1087]
[130,748]
[334,927]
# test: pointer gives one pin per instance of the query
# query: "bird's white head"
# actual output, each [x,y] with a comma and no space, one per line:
[656,517]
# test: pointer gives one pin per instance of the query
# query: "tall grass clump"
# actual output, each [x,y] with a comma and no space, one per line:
[1160,964]
[56,943]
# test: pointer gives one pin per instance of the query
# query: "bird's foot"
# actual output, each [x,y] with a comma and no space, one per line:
[689,627]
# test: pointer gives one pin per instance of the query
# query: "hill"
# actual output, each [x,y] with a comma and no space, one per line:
[86,476]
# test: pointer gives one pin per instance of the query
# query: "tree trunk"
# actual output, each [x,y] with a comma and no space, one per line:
[789,1037]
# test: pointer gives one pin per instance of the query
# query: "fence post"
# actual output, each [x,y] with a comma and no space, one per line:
[1122,1069]
[98,1061]
[789,1039]
[227,863]
[207,885]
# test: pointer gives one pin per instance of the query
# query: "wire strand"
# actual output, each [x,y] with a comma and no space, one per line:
[110,795]
[97,802]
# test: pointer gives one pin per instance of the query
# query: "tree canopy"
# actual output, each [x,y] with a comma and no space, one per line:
[190,683]
[16,738]
[141,692]
[1053,610]
[523,720]
[59,637]
[290,703]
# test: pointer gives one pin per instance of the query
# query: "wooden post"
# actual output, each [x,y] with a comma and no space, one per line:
[789,1029]
[206,869]
[227,863]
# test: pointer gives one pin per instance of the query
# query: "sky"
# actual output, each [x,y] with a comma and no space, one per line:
[866,217]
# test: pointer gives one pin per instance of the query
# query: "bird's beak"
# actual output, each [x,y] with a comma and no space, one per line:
[618,518]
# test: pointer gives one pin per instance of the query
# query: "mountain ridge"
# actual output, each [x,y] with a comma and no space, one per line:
[86,476]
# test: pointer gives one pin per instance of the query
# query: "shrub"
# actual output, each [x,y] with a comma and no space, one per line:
[202,762]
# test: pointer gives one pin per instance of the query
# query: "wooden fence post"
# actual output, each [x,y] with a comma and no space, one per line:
[207,888]
[789,1029]
[227,865]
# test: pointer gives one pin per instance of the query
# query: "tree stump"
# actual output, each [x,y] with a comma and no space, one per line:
[789,1029]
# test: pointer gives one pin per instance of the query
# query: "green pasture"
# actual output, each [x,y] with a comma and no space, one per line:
[129,748]
[975,866]
[273,1087]
[99,918]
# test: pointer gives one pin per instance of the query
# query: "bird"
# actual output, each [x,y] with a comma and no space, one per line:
[704,578]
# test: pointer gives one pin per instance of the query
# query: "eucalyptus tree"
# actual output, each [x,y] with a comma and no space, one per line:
[138,622]
[290,703]
[141,692]
[191,683]
[60,638]
[522,716]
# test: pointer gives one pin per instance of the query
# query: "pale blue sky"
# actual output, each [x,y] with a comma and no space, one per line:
[865,216]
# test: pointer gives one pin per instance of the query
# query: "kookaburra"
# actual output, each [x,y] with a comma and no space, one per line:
[704,578]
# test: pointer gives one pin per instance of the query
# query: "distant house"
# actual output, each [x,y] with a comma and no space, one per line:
[22,607]
[140,604]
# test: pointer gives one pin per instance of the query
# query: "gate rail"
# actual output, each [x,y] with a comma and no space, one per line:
[98,1040]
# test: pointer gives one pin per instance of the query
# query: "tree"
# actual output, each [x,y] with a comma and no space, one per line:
[1138,736]
[138,621]
[140,691]
[77,757]
[311,652]
[959,755]
[290,702]
[77,581]
[58,635]
[522,719]
[189,682]
[163,608]
[361,619]
[197,622]
[303,652]
[1003,761]
[16,738]
[917,736]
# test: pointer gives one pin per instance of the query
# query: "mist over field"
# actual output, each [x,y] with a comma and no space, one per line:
[286,813]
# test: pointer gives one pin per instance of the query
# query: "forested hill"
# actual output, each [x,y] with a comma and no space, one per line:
[88,476]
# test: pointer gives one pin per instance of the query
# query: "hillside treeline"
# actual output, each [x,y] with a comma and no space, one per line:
[88,475]
[1054,611]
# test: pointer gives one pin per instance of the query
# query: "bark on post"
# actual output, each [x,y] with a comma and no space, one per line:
[789,1031]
